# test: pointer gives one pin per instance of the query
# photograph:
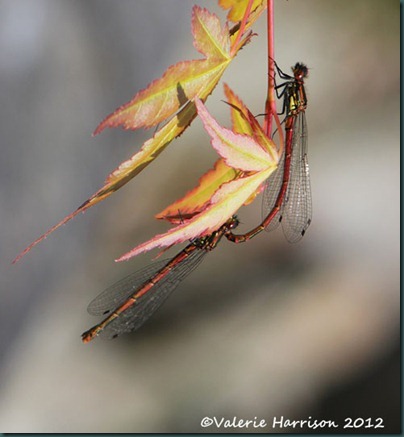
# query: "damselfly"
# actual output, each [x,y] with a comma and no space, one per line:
[132,300]
[287,194]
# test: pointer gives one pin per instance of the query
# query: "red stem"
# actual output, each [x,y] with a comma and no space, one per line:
[242,28]
[270,104]
[270,101]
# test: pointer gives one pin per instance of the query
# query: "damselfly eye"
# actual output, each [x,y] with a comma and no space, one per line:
[300,71]
[234,222]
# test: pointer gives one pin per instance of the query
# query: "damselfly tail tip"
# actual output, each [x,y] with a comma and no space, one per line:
[87,336]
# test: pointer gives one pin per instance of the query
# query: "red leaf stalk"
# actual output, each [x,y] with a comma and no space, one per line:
[242,27]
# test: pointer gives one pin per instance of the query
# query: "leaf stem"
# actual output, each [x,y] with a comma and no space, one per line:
[240,32]
[270,104]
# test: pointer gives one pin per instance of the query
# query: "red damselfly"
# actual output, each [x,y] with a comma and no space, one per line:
[132,300]
[287,194]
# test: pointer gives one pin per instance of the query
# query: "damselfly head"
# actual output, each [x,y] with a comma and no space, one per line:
[300,71]
[233,222]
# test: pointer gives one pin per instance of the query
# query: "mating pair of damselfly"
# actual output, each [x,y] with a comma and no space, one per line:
[127,304]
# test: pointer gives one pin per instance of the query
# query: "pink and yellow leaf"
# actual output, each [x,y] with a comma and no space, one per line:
[210,38]
[198,78]
[180,82]
[238,8]
[130,168]
[238,151]
[163,97]
[261,137]
[225,202]
[196,199]
[238,112]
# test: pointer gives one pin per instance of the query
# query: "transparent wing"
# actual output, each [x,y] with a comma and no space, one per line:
[297,206]
[271,191]
[144,306]
[119,292]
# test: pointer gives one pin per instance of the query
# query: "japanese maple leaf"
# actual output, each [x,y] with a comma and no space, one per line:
[170,96]
[254,164]
[195,201]
[237,9]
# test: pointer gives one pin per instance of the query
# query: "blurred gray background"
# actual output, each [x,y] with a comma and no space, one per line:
[265,329]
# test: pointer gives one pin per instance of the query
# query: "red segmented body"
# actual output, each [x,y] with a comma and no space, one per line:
[132,300]
[287,192]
